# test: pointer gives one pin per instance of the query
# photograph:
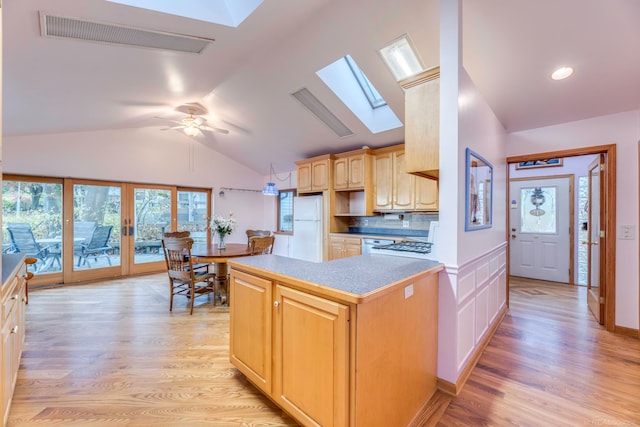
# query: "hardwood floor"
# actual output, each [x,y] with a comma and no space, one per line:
[111,354]
[551,364]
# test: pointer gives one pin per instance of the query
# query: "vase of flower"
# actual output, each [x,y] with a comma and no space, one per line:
[223,227]
[222,242]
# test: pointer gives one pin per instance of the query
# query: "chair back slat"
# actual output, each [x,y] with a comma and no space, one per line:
[258,233]
[261,245]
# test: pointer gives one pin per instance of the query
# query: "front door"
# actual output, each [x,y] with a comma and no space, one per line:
[540,222]
[596,242]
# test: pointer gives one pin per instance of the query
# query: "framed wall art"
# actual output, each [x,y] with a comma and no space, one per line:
[543,163]
[478,192]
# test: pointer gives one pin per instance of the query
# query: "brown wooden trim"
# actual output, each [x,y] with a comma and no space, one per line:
[454,389]
[623,330]
[425,76]
[610,232]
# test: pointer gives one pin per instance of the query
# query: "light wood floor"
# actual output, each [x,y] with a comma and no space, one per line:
[111,354]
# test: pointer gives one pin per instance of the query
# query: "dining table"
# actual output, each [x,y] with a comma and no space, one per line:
[210,253]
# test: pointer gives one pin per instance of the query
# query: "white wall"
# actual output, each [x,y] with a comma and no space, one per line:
[143,156]
[472,290]
[623,130]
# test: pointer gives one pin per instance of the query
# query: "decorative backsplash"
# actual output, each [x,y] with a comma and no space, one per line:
[393,224]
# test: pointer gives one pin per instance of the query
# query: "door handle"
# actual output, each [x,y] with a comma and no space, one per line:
[513,236]
[124,230]
[130,230]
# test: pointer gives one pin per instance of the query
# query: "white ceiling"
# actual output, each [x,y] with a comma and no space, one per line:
[246,76]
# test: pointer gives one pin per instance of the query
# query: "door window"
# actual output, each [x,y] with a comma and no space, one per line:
[539,210]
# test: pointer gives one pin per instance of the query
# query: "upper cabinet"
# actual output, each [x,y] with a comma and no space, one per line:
[422,123]
[397,190]
[314,174]
[352,170]
[353,183]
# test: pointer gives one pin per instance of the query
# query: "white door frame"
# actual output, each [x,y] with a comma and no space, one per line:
[610,227]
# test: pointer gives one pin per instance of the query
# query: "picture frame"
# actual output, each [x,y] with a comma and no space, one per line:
[541,163]
[478,192]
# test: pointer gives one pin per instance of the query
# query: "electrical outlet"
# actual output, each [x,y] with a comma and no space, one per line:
[408,291]
[366,222]
[405,224]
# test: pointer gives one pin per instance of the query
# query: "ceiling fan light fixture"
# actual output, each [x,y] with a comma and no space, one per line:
[191,130]
[562,73]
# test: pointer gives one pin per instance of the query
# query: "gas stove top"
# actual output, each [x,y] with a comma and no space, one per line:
[409,249]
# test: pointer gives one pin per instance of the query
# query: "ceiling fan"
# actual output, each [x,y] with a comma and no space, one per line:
[194,124]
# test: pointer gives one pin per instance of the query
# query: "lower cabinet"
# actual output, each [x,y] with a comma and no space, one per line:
[343,247]
[328,362]
[13,332]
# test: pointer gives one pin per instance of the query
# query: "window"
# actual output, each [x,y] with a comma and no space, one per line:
[285,211]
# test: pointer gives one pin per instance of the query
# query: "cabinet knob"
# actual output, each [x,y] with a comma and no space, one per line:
[14,330]
[14,296]
[276,304]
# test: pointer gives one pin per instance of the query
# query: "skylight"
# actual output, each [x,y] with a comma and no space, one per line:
[356,91]
[225,12]
[401,58]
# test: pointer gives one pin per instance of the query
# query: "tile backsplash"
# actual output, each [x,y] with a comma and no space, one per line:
[417,223]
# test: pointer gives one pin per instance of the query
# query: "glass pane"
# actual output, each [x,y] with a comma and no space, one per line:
[152,217]
[285,210]
[539,210]
[96,226]
[192,213]
[32,222]
[583,233]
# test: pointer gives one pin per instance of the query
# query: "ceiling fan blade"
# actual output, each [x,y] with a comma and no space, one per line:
[199,121]
[169,120]
[173,128]
[212,129]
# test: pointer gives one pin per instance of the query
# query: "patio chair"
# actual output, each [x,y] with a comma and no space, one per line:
[97,246]
[23,241]
[183,279]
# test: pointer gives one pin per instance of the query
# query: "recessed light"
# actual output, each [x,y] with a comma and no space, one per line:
[562,73]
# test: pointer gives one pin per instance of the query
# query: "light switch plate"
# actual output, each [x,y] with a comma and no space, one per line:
[408,291]
[405,224]
[627,232]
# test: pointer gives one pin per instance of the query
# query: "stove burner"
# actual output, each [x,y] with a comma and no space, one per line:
[417,247]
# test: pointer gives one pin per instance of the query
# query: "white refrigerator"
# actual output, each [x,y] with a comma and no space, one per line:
[307,228]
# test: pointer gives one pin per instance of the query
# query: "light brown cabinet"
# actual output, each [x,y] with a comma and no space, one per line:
[330,351]
[344,247]
[352,170]
[422,123]
[314,174]
[395,189]
[280,335]
[13,327]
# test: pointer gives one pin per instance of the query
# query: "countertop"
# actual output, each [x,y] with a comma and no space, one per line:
[354,278]
[9,264]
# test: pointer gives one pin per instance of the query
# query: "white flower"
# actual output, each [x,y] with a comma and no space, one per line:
[222,225]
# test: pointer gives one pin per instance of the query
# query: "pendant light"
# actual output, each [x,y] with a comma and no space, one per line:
[270,188]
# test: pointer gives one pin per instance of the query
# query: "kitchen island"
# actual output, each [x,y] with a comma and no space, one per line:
[349,342]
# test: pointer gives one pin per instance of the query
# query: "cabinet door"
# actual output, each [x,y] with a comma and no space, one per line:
[251,327]
[304,177]
[426,194]
[311,355]
[320,175]
[383,179]
[356,171]
[353,247]
[336,248]
[403,183]
[9,362]
[341,174]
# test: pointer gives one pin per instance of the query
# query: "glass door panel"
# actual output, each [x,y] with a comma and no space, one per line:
[193,208]
[152,207]
[32,221]
[93,230]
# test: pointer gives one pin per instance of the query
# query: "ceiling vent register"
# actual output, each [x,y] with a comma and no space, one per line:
[73,28]
[314,105]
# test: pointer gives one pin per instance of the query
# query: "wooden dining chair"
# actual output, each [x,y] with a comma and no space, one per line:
[200,266]
[183,279]
[259,233]
[261,245]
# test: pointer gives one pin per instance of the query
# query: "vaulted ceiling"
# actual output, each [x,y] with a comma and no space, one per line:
[246,76]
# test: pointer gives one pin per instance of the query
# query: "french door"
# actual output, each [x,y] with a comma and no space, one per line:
[88,230]
[596,242]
